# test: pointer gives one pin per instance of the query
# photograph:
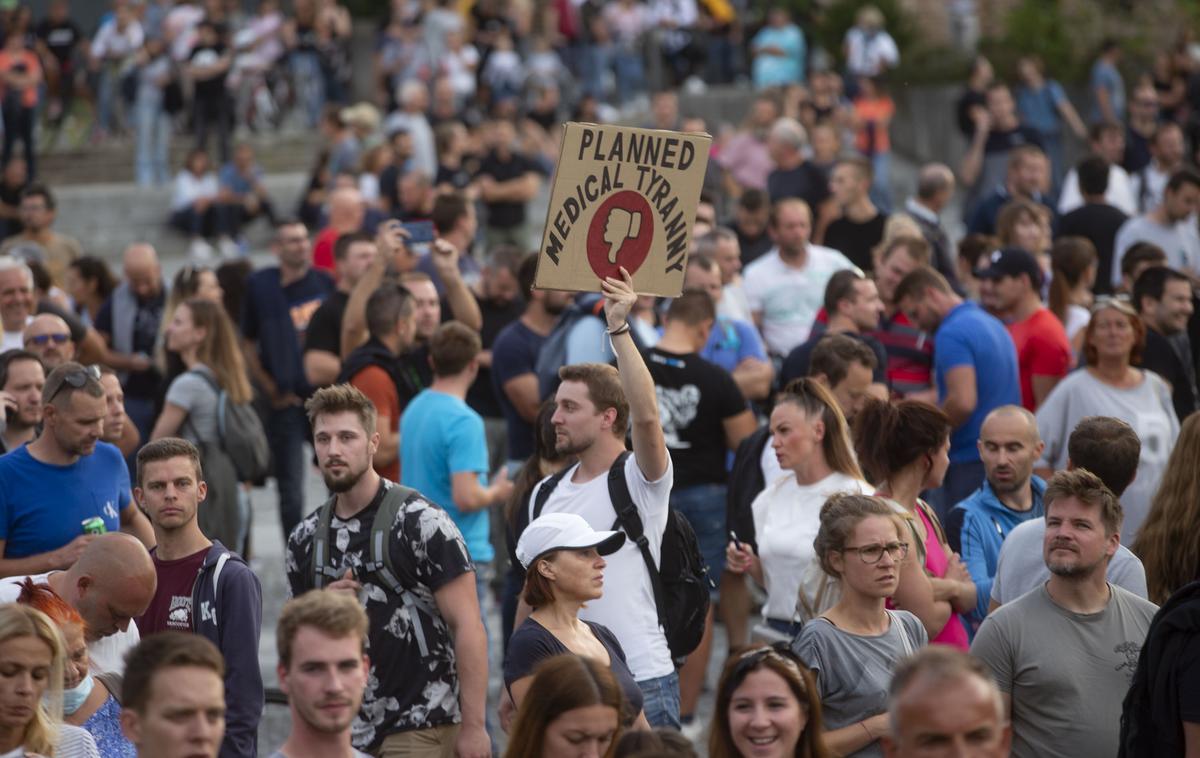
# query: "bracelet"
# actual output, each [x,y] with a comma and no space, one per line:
[619,330]
[870,736]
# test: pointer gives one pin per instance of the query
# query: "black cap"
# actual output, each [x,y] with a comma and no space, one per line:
[1012,261]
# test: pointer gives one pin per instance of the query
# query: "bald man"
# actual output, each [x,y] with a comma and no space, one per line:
[347,212]
[49,338]
[935,190]
[111,583]
[129,322]
[944,702]
[1011,494]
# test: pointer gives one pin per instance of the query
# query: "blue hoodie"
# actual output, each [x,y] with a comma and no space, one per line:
[228,599]
[985,522]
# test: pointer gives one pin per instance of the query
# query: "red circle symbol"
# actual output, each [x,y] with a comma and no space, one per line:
[620,234]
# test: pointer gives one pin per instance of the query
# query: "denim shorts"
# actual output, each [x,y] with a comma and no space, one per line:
[703,505]
[661,700]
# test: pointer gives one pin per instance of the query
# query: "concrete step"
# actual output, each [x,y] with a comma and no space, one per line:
[112,161]
[107,217]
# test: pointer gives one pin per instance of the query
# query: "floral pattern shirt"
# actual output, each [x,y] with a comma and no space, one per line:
[406,690]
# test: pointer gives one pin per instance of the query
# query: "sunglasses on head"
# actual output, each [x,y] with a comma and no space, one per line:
[77,378]
[44,339]
[752,659]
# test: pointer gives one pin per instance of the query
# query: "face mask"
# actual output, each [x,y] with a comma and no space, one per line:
[74,698]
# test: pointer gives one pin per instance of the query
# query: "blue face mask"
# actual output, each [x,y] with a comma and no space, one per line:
[74,698]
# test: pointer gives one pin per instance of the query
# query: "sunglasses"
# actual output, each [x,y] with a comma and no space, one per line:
[41,340]
[77,378]
[752,659]
[1120,302]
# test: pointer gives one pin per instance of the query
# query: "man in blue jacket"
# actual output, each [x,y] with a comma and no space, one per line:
[1011,494]
[203,587]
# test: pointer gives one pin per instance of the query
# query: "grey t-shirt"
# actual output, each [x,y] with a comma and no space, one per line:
[196,396]
[1021,567]
[1067,672]
[854,671]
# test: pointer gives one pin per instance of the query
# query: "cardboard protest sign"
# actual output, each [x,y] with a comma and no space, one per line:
[622,197]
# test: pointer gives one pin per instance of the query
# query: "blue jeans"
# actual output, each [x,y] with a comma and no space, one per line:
[661,700]
[790,628]
[310,84]
[153,127]
[961,480]
[287,429]
[703,505]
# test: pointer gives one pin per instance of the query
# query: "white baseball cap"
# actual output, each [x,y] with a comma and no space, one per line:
[563,531]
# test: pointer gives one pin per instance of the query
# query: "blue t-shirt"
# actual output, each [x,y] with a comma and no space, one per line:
[1039,107]
[515,352]
[730,342]
[230,178]
[277,318]
[440,435]
[774,70]
[969,336]
[43,506]
[1106,76]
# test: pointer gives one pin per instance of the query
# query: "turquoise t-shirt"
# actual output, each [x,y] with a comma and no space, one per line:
[776,70]
[43,506]
[440,435]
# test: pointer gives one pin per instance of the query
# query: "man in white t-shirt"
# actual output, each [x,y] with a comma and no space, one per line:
[110,584]
[596,404]
[785,287]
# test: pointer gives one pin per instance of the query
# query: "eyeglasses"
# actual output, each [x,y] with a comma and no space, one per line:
[77,378]
[43,339]
[872,554]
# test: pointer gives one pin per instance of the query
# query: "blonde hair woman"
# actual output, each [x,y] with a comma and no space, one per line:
[32,661]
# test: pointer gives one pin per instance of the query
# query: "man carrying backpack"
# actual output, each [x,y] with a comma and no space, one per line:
[596,404]
[406,561]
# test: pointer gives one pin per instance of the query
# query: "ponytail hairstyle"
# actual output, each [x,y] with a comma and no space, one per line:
[814,400]
[840,516]
[890,436]
[1070,259]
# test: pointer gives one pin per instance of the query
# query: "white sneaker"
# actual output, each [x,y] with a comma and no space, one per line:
[200,251]
[693,730]
[229,248]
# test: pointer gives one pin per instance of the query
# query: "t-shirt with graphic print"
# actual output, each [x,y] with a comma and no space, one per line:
[171,608]
[406,689]
[694,398]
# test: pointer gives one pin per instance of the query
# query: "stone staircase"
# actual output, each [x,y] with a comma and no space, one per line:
[99,204]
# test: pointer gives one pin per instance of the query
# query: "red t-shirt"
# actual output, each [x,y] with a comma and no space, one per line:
[171,608]
[1042,349]
[323,248]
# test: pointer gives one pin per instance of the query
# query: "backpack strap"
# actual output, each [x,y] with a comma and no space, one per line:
[544,492]
[323,573]
[629,521]
[381,564]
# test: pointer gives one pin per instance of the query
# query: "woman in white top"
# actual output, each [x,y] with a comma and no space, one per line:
[194,208]
[812,443]
[1110,385]
[32,662]
[853,647]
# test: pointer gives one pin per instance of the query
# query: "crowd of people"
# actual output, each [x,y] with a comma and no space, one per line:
[937,492]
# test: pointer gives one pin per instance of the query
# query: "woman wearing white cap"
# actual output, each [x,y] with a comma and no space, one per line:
[564,564]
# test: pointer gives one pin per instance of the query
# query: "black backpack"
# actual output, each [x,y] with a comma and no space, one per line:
[681,583]
[241,434]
